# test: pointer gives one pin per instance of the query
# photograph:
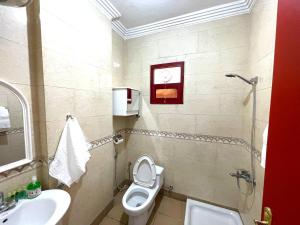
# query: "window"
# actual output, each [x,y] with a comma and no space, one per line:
[167,83]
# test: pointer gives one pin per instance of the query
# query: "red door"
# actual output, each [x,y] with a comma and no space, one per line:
[282,177]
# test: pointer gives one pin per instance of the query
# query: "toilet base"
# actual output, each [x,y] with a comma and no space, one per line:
[141,219]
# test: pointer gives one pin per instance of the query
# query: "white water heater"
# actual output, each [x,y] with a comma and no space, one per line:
[126,101]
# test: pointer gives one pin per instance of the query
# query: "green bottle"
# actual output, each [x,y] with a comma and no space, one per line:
[34,188]
[21,194]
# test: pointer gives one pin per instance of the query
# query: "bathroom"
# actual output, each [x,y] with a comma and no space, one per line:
[63,61]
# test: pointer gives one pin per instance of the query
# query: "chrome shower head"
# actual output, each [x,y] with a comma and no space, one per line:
[253,81]
[230,75]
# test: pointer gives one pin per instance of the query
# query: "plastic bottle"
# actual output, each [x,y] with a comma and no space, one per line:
[21,194]
[33,189]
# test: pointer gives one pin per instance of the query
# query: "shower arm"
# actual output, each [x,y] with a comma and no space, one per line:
[253,81]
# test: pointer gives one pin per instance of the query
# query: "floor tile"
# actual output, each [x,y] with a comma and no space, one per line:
[118,213]
[110,221]
[118,197]
[161,219]
[172,208]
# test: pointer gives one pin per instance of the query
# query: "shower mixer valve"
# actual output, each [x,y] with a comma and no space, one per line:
[243,174]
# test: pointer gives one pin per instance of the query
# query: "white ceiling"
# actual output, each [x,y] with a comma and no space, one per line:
[137,18]
[141,12]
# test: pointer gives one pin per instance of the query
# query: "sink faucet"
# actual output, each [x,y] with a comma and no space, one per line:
[6,205]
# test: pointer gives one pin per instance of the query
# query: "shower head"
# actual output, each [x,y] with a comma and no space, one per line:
[15,3]
[230,75]
[253,81]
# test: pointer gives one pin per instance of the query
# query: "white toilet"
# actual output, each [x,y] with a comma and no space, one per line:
[139,200]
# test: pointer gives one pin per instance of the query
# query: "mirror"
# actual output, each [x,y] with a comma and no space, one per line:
[15,131]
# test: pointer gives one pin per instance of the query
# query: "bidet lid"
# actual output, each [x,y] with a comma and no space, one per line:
[144,171]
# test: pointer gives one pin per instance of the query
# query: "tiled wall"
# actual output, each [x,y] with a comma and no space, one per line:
[69,69]
[76,50]
[65,61]
[261,57]
[15,69]
[213,105]
[118,69]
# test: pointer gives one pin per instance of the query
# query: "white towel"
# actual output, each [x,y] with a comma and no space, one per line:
[264,148]
[4,118]
[72,154]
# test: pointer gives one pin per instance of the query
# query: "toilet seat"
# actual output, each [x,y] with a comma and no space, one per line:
[138,209]
[144,172]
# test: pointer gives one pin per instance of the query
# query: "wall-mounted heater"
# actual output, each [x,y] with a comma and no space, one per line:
[126,101]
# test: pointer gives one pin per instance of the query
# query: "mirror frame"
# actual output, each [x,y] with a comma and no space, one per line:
[27,129]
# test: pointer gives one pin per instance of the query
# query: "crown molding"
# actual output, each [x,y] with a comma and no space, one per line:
[201,16]
[109,9]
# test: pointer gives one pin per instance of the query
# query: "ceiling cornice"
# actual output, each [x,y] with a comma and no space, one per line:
[109,9]
[201,16]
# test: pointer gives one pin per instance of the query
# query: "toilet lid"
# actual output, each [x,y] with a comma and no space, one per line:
[144,173]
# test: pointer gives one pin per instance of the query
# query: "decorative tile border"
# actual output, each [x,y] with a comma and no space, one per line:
[12,131]
[36,163]
[20,170]
[100,142]
[154,133]
[195,137]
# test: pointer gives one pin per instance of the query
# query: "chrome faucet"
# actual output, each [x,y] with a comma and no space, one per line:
[243,174]
[6,205]
[1,198]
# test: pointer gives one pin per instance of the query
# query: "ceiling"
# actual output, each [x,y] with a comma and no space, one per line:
[140,12]
[136,18]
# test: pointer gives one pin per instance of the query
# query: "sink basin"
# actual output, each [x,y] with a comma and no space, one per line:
[46,209]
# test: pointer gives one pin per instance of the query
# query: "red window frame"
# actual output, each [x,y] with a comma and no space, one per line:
[177,86]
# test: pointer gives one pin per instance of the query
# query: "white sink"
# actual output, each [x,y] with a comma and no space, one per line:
[46,209]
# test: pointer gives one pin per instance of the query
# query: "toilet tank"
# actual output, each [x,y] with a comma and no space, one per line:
[159,175]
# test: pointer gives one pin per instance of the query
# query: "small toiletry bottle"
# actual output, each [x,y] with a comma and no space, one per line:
[34,188]
[38,188]
[21,194]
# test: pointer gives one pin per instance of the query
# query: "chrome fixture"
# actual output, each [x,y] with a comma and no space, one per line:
[67,116]
[4,205]
[15,3]
[253,82]
[242,174]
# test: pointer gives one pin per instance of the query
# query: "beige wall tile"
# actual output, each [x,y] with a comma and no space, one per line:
[78,79]
[94,190]
[14,68]
[17,181]
[59,103]
[261,58]
[213,104]
[77,61]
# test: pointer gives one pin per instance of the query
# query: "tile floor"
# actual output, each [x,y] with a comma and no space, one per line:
[167,211]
